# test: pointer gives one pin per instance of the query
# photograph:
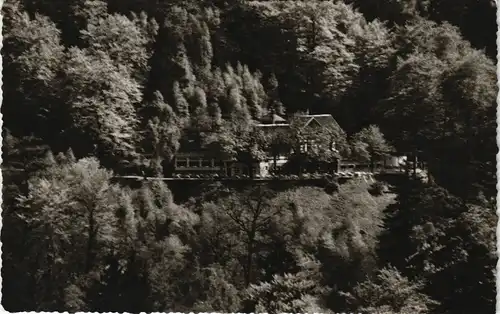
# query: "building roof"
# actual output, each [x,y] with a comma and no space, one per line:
[272,119]
[271,123]
[191,142]
[187,145]
[324,120]
[272,126]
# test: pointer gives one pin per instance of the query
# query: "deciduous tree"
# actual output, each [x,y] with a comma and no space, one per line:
[370,145]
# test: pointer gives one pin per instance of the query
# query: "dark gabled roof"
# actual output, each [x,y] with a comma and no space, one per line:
[187,145]
[272,119]
[324,120]
[272,122]
[302,120]
[190,141]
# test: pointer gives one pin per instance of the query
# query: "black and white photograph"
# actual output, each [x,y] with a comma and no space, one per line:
[249,156]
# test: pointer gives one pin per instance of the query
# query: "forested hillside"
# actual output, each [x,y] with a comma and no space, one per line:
[93,89]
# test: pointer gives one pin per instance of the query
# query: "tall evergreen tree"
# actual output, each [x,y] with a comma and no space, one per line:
[181,104]
[162,135]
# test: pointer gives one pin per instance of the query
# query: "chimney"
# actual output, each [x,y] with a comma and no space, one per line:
[307,111]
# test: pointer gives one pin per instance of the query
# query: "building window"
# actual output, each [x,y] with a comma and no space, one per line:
[193,163]
[181,163]
[256,171]
[206,163]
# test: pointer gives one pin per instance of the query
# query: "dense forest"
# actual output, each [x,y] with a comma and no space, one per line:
[94,89]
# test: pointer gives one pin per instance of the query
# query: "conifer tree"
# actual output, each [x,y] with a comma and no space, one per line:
[200,117]
[216,86]
[274,106]
[237,105]
[182,67]
[162,135]
[215,114]
[181,104]
[249,89]
[204,51]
